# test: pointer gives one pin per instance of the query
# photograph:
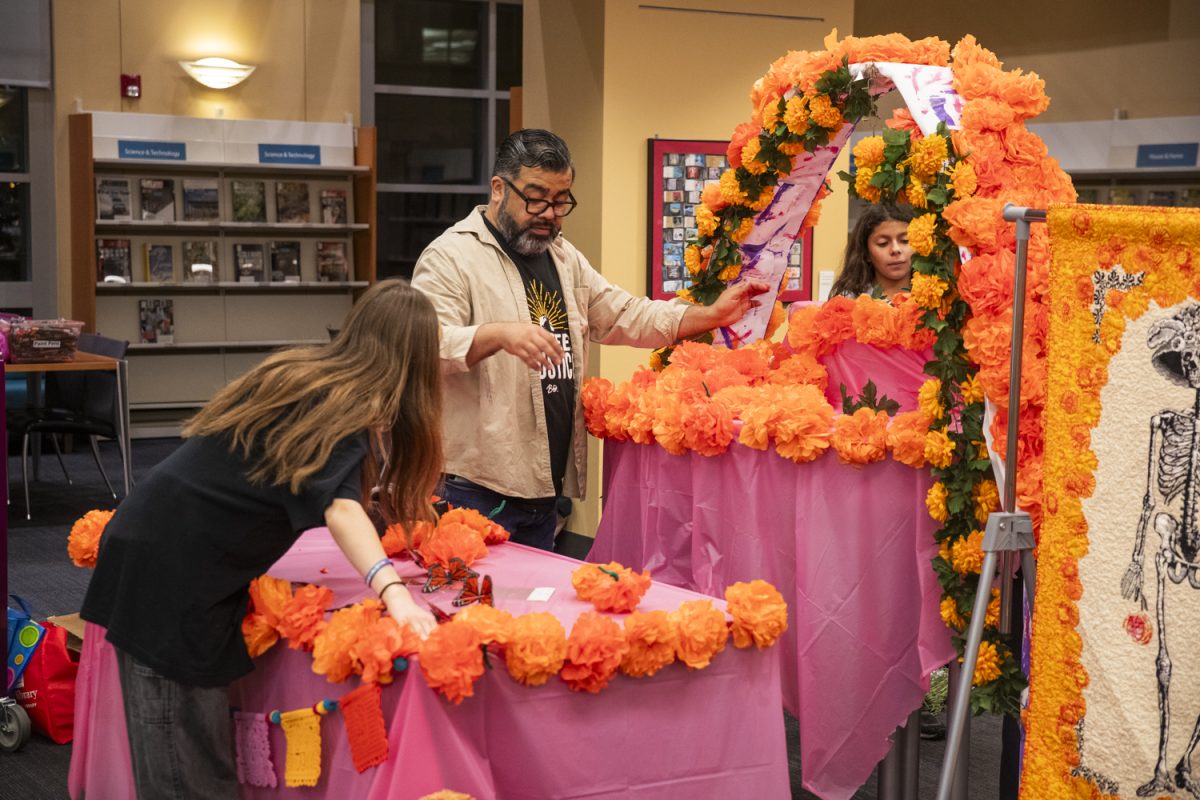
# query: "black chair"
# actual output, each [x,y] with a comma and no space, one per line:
[78,403]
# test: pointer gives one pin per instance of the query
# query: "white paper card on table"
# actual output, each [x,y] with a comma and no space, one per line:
[541,594]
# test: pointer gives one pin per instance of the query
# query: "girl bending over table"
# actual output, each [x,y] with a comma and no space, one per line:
[878,260]
[294,444]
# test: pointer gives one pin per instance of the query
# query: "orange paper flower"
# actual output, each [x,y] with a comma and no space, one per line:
[453,540]
[489,531]
[759,613]
[493,625]
[906,438]
[610,587]
[331,647]
[303,616]
[652,639]
[378,645]
[702,632]
[595,649]
[83,543]
[452,660]
[861,437]
[537,647]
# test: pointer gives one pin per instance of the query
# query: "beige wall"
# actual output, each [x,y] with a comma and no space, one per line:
[607,76]
[306,51]
[1096,56]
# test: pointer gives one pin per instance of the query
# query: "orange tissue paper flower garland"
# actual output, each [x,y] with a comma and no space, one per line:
[610,587]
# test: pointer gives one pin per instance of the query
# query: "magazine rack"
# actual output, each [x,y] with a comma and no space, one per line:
[236,236]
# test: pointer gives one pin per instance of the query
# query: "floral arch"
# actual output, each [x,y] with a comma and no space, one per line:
[957,154]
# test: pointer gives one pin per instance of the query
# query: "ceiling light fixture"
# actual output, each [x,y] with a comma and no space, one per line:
[217,73]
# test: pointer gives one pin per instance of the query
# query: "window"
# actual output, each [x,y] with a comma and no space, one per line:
[437,75]
[14,186]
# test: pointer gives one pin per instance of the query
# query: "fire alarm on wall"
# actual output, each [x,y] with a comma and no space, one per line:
[131,86]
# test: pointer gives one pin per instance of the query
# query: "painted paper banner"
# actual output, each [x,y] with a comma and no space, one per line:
[930,95]
[1115,675]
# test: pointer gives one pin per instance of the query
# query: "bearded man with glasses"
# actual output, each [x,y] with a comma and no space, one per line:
[518,306]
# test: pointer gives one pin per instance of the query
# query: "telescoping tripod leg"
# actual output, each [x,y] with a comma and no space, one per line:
[1009,531]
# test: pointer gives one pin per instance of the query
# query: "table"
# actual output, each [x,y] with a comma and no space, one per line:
[714,733]
[84,362]
[849,547]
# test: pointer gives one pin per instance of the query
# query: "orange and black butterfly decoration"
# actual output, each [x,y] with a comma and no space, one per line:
[475,590]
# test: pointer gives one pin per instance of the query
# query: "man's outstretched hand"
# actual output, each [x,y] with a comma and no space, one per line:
[731,306]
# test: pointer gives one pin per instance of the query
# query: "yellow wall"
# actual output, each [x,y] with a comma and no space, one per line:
[1096,56]
[306,51]
[672,74]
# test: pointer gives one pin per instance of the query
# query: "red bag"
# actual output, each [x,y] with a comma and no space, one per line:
[47,689]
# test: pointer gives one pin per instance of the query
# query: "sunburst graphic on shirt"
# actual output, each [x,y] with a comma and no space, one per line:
[546,308]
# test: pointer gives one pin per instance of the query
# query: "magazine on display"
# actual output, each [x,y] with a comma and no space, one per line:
[113,261]
[200,202]
[291,201]
[200,262]
[112,199]
[331,262]
[249,200]
[249,260]
[285,262]
[333,207]
[156,321]
[160,263]
[158,199]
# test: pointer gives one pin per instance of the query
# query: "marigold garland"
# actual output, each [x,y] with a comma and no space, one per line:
[452,660]
[652,638]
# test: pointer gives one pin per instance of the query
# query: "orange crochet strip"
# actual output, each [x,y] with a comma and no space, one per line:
[363,715]
[303,730]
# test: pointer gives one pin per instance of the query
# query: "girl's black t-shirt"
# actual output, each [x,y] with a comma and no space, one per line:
[172,578]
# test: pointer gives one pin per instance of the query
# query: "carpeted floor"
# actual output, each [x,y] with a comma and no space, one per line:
[41,572]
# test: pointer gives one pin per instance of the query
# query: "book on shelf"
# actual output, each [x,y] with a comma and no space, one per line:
[249,261]
[249,201]
[331,262]
[112,199]
[285,262]
[200,202]
[160,263]
[158,199]
[156,321]
[333,207]
[291,201]
[113,261]
[200,262]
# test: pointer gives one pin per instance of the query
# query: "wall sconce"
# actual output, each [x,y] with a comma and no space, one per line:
[217,73]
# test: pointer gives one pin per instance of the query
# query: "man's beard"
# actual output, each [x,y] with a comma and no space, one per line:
[523,239]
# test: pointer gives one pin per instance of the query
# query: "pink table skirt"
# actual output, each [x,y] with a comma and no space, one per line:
[849,548]
[714,733]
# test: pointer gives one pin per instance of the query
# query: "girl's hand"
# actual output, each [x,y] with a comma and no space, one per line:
[404,610]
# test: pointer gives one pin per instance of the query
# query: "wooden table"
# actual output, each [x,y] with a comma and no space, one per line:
[84,362]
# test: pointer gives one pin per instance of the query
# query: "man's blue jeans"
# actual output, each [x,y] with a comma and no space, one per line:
[531,522]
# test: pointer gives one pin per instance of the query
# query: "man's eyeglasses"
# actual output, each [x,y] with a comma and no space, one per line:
[537,206]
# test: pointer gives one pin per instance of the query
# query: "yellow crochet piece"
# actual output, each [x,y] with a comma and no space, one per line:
[302,728]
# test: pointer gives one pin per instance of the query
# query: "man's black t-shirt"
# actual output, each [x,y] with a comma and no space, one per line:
[176,560]
[544,298]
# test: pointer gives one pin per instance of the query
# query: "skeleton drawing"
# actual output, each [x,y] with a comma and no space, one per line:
[1170,507]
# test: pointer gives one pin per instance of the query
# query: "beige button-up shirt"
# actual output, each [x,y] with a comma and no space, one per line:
[494,417]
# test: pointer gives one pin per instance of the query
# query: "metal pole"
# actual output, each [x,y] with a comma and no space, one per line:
[912,757]
[1008,532]
[888,781]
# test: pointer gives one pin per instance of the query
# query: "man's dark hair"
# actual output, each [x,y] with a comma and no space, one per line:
[534,148]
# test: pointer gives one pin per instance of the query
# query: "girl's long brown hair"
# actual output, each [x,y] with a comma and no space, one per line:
[381,375]
[858,273]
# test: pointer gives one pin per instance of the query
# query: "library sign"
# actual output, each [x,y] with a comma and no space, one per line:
[309,154]
[1167,155]
[158,151]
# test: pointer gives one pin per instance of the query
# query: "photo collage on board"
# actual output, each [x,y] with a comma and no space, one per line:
[684,177]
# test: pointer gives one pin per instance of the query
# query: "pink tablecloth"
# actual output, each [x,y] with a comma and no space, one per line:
[715,733]
[850,548]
